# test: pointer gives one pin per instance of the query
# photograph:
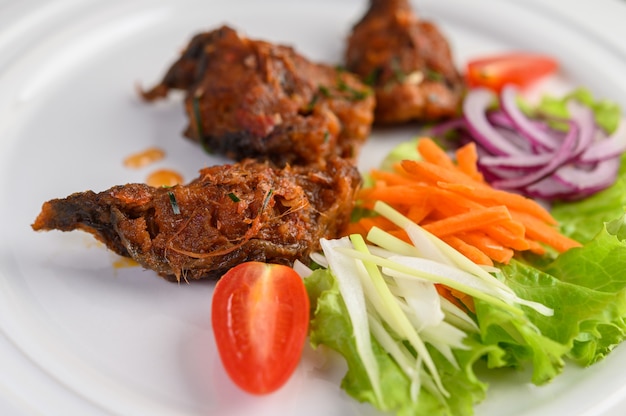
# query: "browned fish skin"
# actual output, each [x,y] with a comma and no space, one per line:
[407,61]
[229,214]
[253,99]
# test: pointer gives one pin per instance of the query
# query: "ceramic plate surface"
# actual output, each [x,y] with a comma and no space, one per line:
[79,334]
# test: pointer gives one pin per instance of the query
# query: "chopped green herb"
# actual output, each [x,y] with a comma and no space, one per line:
[355,95]
[433,75]
[174,203]
[324,91]
[195,104]
[342,86]
[311,105]
[266,200]
[326,136]
[233,197]
[372,78]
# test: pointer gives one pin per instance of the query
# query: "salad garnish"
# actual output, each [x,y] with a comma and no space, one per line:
[553,152]
[454,202]
[517,68]
[537,310]
[260,316]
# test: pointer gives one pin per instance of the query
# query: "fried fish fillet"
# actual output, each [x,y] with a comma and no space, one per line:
[248,98]
[229,214]
[407,60]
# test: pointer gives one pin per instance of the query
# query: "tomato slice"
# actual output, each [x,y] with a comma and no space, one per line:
[260,317]
[521,69]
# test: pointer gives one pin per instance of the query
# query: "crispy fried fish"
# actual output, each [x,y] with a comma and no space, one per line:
[229,214]
[407,60]
[248,98]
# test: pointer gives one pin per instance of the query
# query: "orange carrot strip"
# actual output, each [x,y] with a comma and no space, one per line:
[431,152]
[467,159]
[499,197]
[460,299]
[398,194]
[453,201]
[469,251]
[502,235]
[431,173]
[401,234]
[496,251]
[417,212]
[391,178]
[471,220]
[381,222]
[536,247]
[355,228]
[545,233]
[464,298]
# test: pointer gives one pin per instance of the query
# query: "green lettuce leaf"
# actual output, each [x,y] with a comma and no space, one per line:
[584,219]
[599,268]
[586,287]
[607,113]
[403,151]
[521,341]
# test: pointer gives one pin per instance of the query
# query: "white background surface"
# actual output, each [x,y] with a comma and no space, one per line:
[81,337]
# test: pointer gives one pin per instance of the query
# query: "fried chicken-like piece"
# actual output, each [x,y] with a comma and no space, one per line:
[252,99]
[230,214]
[407,61]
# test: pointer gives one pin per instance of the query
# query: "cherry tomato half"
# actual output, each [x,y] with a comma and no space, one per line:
[260,317]
[521,69]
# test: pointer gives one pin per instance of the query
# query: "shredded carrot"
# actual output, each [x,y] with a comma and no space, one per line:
[471,252]
[467,159]
[492,248]
[391,178]
[470,220]
[460,299]
[426,171]
[432,153]
[544,233]
[497,196]
[418,211]
[450,198]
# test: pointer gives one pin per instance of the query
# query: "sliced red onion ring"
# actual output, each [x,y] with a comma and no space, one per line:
[496,173]
[527,161]
[601,175]
[475,108]
[444,127]
[570,182]
[606,147]
[537,136]
[586,124]
[550,188]
[560,156]
[529,156]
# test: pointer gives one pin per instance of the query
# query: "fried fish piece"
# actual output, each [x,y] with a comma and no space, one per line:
[248,98]
[228,215]
[407,60]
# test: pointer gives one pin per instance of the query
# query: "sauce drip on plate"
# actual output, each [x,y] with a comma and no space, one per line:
[164,177]
[144,158]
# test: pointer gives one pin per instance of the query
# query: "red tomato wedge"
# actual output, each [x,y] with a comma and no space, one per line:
[521,69]
[260,317]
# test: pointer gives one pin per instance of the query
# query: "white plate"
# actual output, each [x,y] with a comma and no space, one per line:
[80,336]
